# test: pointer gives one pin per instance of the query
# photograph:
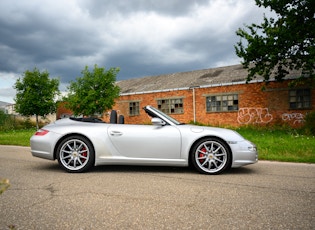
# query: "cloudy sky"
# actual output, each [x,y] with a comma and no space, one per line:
[141,37]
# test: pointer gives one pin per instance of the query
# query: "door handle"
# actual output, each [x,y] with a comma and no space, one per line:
[115,133]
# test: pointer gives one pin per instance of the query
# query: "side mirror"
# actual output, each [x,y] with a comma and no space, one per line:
[157,121]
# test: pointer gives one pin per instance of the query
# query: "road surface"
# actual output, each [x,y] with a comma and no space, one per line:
[266,195]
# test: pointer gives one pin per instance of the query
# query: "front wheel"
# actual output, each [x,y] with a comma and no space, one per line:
[211,156]
[75,154]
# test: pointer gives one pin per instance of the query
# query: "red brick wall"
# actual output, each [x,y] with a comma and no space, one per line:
[62,111]
[258,103]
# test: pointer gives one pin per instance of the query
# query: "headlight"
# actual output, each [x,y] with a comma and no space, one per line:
[252,148]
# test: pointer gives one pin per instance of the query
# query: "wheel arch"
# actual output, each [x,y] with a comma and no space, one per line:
[206,137]
[69,135]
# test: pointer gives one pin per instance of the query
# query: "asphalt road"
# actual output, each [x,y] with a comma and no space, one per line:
[266,195]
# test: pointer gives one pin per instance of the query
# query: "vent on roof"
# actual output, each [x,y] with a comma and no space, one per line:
[210,75]
[127,91]
[238,80]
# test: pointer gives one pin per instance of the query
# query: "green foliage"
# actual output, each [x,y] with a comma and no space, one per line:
[12,122]
[309,124]
[280,44]
[94,92]
[36,93]
[3,117]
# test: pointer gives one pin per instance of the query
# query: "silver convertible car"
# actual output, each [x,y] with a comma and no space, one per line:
[80,143]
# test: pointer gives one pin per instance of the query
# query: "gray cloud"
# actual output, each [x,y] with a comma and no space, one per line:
[168,8]
[141,37]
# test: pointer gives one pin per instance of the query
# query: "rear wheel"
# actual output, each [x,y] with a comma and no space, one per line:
[75,154]
[211,156]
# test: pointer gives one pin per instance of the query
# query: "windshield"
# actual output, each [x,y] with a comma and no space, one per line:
[166,116]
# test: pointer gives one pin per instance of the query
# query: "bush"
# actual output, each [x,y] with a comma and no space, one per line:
[5,121]
[309,124]
[12,122]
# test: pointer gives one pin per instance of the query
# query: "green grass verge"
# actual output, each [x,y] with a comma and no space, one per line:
[16,137]
[273,144]
[281,145]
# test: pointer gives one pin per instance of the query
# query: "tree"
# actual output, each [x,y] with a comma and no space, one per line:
[281,44]
[35,94]
[94,92]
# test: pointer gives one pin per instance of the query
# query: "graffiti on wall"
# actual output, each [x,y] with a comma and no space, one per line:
[254,116]
[296,118]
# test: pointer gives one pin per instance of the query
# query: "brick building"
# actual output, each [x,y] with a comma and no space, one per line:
[217,96]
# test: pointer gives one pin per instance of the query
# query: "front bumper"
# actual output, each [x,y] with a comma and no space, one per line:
[244,153]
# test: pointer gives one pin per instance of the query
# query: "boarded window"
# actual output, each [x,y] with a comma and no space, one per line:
[222,103]
[171,106]
[300,99]
[134,108]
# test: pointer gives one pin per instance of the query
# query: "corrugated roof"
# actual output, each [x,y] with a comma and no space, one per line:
[199,78]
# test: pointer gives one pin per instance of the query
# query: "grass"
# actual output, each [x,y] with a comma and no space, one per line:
[281,144]
[276,144]
[16,137]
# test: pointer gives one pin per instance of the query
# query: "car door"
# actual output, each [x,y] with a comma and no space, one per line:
[146,141]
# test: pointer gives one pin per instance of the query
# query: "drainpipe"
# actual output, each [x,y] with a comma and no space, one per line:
[194,100]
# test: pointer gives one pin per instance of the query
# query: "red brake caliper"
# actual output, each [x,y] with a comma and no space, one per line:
[202,155]
[84,154]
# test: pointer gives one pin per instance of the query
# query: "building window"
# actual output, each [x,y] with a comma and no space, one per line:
[222,103]
[134,108]
[171,106]
[300,99]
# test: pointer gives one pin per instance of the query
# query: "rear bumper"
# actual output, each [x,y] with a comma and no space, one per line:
[43,146]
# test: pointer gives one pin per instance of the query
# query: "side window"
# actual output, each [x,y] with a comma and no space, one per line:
[221,103]
[300,99]
[171,106]
[134,108]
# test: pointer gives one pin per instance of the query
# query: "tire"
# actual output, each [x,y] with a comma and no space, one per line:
[75,154]
[113,117]
[211,156]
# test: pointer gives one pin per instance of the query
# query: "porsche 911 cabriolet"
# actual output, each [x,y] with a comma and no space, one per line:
[80,143]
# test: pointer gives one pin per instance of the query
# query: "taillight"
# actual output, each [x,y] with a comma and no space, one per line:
[41,132]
